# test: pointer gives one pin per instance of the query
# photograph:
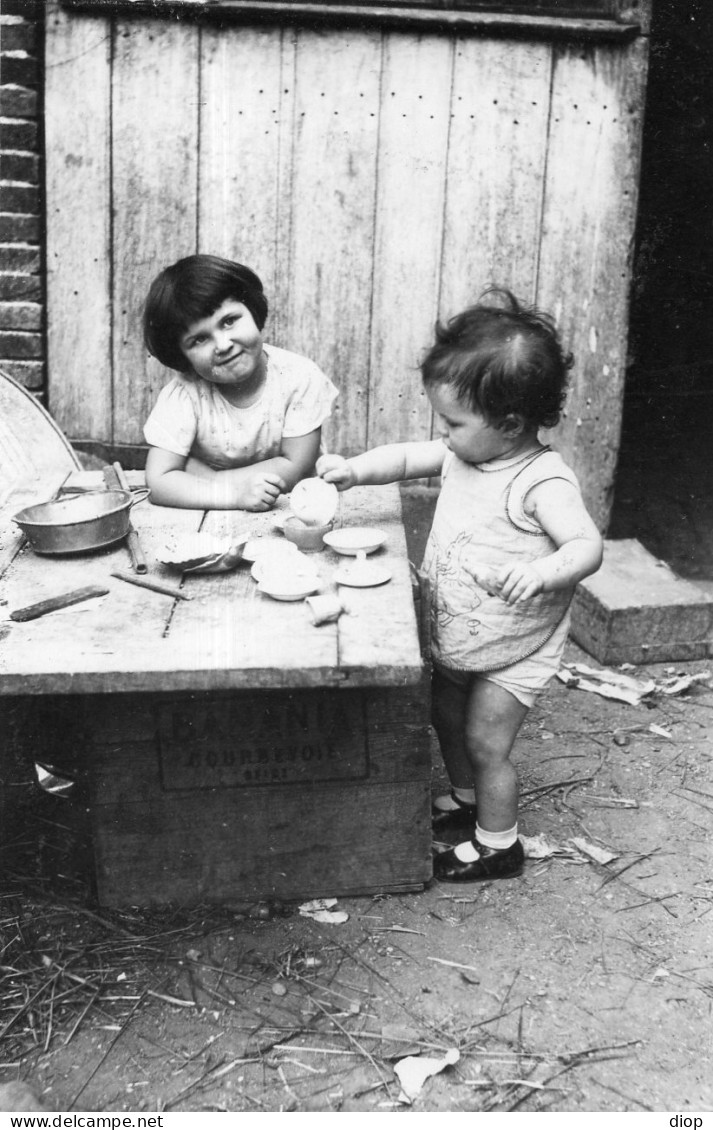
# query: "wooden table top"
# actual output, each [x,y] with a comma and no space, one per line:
[229,635]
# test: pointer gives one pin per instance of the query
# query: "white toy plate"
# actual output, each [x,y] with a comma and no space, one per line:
[362,575]
[352,540]
[298,589]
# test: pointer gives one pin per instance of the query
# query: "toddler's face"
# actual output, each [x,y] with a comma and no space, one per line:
[226,347]
[466,432]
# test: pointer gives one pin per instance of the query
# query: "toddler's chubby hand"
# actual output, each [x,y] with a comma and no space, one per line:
[260,491]
[510,582]
[336,469]
[520,582]
[487,576]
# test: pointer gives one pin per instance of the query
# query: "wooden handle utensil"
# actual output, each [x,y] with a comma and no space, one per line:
[155,586]
[64,600]
[115,478]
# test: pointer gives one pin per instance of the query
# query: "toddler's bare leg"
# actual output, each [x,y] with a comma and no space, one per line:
[449,705]
[493,718]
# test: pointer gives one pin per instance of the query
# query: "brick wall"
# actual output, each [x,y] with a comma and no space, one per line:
[22,350]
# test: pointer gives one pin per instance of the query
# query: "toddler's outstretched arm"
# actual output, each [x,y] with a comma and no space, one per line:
[391,463]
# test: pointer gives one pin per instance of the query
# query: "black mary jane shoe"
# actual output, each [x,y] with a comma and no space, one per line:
[493,863]
[445,822]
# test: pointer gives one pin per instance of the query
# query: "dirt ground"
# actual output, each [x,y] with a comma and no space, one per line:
[581,986]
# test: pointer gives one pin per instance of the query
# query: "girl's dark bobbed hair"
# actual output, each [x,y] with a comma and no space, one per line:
[192,289]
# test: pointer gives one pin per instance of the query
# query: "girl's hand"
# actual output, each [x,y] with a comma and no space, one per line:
[336,469]
[520,582]
[260,491]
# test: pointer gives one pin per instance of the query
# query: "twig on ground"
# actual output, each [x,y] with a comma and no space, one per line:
[539,790]
[611,875]
[109,1049]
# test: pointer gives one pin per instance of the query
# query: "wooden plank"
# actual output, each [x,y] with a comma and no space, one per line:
[413,141]
[99,642]
[380,631]
[77,163]
[195,732]
[228,636]
[238,820]
[155,145]
[40,489]
[244,115]
[401,15]
[495,173]
[270,642]
[332,207]
[585,257]
[293,846]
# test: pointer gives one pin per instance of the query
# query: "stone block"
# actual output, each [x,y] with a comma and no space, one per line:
[635,609]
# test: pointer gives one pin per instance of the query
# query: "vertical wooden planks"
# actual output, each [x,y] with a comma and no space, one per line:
[373,179]
[245,112]
[496,169]
[155,146]
[587,236]
[332,216]
[413,145]
[77,155]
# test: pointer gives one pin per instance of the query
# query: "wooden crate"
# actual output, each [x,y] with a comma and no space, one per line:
[637,610]
[252,795]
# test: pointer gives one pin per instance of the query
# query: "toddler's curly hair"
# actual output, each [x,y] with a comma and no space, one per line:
[502,358]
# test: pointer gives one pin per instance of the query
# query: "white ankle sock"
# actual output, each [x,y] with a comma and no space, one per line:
[467,852]
[498,840]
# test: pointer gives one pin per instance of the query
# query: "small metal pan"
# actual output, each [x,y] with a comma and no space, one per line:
[79,523]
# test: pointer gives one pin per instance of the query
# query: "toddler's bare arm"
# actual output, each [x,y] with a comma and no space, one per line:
[390,463]
[559,509]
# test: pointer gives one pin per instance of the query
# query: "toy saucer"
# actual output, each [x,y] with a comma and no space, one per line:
[362,574]
[353,540]
[297,589]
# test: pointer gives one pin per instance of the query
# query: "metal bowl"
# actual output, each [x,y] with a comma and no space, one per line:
[80,522]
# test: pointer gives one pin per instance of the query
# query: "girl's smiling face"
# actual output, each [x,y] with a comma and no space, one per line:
[468,434]
[225,348]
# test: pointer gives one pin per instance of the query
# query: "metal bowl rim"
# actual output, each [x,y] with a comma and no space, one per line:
[25,521]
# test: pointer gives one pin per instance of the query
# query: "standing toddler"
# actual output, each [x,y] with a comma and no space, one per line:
[510,539]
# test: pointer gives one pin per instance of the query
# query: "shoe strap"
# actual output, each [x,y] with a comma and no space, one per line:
[461,803]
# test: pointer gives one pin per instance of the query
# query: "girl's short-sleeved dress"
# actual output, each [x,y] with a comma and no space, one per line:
[191,417]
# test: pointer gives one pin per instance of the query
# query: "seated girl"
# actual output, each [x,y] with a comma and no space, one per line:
[241,422]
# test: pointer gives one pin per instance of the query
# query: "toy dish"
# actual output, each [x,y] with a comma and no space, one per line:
[362,575]
[201,553]
[285,560]
[291,588]
[260,544]
[308,538]
[314,501]
[352,540]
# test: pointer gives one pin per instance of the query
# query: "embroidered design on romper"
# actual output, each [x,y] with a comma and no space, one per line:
[455,596]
